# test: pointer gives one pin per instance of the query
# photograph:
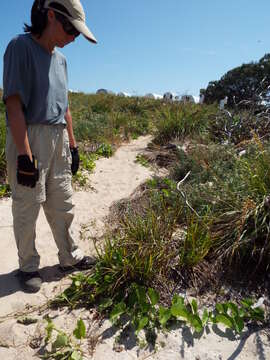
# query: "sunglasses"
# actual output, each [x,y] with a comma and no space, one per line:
[67,26]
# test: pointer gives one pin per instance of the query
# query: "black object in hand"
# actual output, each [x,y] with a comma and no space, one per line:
[75,160]
[27,171]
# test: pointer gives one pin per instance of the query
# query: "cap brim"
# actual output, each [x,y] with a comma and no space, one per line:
[83,29]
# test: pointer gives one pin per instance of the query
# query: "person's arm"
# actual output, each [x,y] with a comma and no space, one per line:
[72,144]
[27,166]
[17,125]
[72,141]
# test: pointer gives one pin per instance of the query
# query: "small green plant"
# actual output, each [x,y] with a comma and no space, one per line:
[80,178]
[104,150]
[229,314]
[4,190]
[87,164]
[140,306]
[64,347]
[87,161]
[142,160]
[188,313]
[234,317]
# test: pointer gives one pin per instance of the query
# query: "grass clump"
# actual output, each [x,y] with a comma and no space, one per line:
[182,121]
[255,168]
[197,242]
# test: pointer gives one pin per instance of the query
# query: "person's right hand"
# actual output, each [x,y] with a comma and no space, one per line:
[27,171]
[75,160]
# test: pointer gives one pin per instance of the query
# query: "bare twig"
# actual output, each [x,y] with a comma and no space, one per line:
[184,195]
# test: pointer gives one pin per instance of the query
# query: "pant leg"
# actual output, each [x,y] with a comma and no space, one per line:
[25,210]
[58,206]
[25,216]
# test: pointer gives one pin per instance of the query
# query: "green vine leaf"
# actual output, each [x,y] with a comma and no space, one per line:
[141,295]
[219,308]
[76,356]
[179,310]
[242,313]
[256,314]
[239,324]
[247,303]
[117,311]
[234,309]
[142,323]
[178,300]
[194,306]
[225,320]
[145,307]
[60,342]
[105,303]
[80,330]
[49,330]
[164,315]
[205,317]
[154,296]
[196,322]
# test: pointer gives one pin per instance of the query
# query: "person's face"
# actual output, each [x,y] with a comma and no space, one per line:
[63,31]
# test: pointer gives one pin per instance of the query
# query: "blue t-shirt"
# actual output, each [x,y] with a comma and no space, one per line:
[39,78]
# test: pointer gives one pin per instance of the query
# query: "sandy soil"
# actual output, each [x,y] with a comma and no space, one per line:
[114,179]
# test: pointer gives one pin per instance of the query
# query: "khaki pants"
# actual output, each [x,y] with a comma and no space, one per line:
[50,146]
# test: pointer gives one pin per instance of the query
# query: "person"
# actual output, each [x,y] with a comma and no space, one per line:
[41,149]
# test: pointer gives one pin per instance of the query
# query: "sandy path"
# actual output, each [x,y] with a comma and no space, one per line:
[114,179]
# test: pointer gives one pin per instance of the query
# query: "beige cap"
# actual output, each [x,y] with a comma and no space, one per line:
[74,13]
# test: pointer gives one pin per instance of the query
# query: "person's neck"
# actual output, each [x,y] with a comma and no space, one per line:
[45,42]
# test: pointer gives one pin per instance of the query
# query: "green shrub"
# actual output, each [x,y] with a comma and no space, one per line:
[104,150]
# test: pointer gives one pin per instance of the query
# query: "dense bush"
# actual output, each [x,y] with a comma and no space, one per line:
[246,82]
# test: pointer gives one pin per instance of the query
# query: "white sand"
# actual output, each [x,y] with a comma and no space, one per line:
[113,179]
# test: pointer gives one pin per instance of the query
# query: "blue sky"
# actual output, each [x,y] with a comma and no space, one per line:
[156,45]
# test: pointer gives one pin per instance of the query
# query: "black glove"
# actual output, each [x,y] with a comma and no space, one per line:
[27,171]
[75,160]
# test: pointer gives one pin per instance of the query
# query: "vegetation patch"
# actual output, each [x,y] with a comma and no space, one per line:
[203,227]
[61,346]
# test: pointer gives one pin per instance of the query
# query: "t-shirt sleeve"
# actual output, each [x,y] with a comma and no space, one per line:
[17,74]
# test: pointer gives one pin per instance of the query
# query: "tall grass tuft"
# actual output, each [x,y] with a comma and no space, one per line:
[181,121]
[197,242]
[255,167]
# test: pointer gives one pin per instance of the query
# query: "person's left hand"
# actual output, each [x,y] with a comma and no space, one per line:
[75,160]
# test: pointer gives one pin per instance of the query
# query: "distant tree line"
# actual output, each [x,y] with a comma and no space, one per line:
[247,82]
